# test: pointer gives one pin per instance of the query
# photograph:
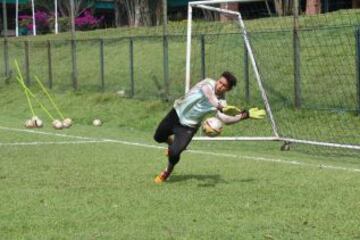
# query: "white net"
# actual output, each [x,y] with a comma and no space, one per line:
[306,63]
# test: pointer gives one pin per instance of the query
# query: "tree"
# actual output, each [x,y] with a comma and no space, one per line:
[283,7]
[139,12]
[355,4]
[79,6]
[64,6]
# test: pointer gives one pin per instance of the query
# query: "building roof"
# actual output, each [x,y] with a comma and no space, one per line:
[104,4]
[14,1]
[177,3]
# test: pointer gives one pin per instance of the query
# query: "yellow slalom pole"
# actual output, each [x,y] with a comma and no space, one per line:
[25,92]
[29,103]
[28,92]
[49,97]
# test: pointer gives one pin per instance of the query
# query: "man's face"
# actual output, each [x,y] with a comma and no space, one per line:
[221,86]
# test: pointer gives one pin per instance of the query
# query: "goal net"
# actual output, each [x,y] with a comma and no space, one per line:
[303,68]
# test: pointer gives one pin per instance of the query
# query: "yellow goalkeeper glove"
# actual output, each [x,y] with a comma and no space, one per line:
[231,110]
[256,113]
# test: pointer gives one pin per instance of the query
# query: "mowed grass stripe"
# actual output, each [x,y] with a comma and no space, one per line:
[210,153]
[107,191]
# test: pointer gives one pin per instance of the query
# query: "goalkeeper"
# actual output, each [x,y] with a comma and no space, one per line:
[181,123]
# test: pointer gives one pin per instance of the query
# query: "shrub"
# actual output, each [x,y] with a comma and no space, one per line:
[87,21]
[41,19]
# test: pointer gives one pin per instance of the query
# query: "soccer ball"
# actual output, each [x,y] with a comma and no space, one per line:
[67,122]
[212,127]
[97,122]
[57,124]
[29,123]
[37,122]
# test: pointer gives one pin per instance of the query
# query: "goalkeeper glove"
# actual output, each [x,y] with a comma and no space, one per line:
[231,110]
[256,113]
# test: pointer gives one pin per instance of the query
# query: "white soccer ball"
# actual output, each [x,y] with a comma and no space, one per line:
[212,126]
[29,123]
[97,122]
[37,122]
[57,124]
[67,122]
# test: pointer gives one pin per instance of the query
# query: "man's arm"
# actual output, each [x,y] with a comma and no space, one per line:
[210,95]
[232,119]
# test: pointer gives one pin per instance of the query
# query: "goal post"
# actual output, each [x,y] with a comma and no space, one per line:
[203,5]
[272,68]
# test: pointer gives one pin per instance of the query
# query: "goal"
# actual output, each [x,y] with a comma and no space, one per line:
[302,69]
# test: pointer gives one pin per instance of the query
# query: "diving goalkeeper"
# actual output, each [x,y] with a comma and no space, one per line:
[178,127]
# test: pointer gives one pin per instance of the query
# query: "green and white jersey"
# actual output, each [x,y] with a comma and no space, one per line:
[198,101]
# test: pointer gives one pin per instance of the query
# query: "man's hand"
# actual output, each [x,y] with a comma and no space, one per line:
[256,113]
[231,110]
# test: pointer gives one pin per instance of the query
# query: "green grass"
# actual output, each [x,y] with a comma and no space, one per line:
[105,190]
[61,187]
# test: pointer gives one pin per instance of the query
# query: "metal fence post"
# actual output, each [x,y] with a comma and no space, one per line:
[326,6]
[165,51]
[202,54]
[166,66]
[74,65]
[357,64]
[27,63]
[102,66]
[296,48]
[131,65]
[6,59]
[6,46]
[246,74]
[50,80]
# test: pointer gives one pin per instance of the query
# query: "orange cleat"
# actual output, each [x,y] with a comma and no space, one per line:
[162,177]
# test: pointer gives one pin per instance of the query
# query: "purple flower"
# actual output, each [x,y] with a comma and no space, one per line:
[87,21]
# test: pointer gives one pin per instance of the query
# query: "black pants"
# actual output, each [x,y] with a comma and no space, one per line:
[182,135]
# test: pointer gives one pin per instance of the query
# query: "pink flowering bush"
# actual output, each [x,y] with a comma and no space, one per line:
[41,19]
[87,21]
[45,22]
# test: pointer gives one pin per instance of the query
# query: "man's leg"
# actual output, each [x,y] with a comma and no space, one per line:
[182,138]
[165,128]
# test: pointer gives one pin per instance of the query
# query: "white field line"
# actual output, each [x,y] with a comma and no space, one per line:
[262,159]
[49,143]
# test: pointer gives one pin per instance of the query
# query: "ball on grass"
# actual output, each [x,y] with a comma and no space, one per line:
[67,122]
[37,122]
[57,124]
[29,123]
[97,122]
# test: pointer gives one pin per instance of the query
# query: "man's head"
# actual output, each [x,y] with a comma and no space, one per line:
[225,83]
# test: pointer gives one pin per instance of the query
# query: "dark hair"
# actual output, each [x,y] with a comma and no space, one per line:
[230,78]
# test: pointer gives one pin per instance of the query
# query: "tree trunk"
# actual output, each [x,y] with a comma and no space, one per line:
[80,6]
[137,15]
[117,14]
[313,7]
[279,7]
[158,12]
[228,6]
[145,13]
[355,4]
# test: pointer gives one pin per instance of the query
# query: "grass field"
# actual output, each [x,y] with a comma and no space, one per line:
[100,186]
[91,182]
[97,183]
[328,75]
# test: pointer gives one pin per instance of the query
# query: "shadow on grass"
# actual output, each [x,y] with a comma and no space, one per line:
[205,180]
